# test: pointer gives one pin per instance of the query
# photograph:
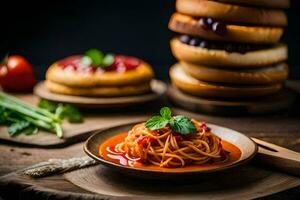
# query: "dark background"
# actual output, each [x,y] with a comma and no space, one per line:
[44,31]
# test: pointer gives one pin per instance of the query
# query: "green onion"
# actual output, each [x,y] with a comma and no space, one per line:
[19,102]
[17,111]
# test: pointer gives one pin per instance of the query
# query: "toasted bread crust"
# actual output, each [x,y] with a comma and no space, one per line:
[280,4]
[104,91]
[195,87]
[247,34]
[257,76]
[232,13]
[224,59]
[57,74]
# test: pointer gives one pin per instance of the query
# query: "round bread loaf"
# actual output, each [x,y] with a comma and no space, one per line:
[256,76]
[192,86]
[224,59]
[246,34]
[232,13]
[104,91]
[280,4]
[143,73]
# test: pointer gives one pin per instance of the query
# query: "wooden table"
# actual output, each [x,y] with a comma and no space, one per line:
[282,129]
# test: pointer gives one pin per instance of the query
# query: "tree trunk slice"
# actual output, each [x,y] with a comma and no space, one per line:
[158,90]
[270,104]
[13,158]
[247,182]
[281,129]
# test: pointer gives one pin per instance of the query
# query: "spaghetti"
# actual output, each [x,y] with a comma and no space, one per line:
[166,148]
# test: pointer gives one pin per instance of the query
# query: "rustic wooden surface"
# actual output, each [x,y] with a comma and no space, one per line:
[158,89]
[72,132]
[245,182]
[282,129]
[270,104]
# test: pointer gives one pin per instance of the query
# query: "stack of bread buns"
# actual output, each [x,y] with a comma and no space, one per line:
[229,48]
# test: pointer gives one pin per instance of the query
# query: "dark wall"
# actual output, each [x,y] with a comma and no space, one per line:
[45,31]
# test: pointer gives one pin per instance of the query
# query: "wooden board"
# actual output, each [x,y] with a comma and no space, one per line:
[72,132]
[248,182]
[274,103]
[158,90]
[14,185]
[280,128]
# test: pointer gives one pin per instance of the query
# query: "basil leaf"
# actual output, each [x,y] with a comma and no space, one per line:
[31,130]
[3,114]
[156,122]
[108,60]
[182,125]
[60,111]
[17,127]
[166,113]
[51,107]
[73,115]
[96,56]
[86,61]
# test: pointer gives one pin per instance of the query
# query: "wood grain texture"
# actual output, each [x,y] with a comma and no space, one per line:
[56,187]
[158,90]
[278,157]
[282,100]
[247,182]
[281,129]
[72,132]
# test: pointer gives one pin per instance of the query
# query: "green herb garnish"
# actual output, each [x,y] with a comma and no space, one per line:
[182,124]
[179,124]
[86,61]
[97,58]
[21,117]
[95,55]
[108,60]
[62,111]
[17,127]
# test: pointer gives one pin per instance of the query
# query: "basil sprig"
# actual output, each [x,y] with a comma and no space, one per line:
[97,58]
[95,55]
[179,124]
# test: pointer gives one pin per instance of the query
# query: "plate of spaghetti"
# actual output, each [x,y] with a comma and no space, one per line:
[169,146]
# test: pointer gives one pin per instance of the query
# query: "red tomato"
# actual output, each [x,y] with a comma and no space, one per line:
[16,74]
[124,63]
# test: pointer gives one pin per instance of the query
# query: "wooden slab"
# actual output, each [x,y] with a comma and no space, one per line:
[158,90]
[14,185]
[280,128]
[248,182]
[72,132]
[274,103]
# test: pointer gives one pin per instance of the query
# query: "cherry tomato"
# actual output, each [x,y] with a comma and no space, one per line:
[124,63]
[16,74]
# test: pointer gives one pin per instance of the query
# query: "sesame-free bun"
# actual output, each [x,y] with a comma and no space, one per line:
[190,85]
[221,58]
[281,4]
[256,76]
[101,91]
[232,13]
[55,73]
[237,33]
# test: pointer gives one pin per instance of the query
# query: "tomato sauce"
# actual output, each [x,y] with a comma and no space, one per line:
[106,151]
[121,64]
